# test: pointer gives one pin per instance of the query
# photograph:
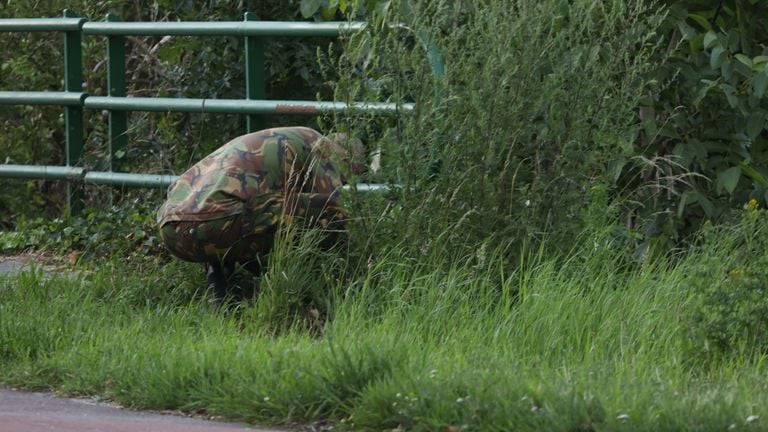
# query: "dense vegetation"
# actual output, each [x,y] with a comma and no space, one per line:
[655,112]
[445,342]
[577,242]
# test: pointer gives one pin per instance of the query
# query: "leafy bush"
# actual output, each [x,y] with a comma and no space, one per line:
[536,99]
[704,142]
[659,109]
[730,282]
[125,230]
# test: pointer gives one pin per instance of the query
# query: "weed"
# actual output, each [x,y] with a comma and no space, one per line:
[730,281]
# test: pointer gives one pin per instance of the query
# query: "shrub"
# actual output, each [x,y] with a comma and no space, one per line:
[127,230]
[729,281]
[536,100]
[704,118]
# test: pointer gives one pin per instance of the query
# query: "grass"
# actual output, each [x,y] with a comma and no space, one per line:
[421,337]
[570,343]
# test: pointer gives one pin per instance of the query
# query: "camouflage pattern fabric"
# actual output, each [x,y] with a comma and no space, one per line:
[230,204]
[228,240]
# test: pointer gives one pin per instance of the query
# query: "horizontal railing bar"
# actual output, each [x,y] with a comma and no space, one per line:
[48,172]
[129,179]
[55,172]
[40,24]
[41,98]
[230,106]
[238,106]
[369,187]
[221,28]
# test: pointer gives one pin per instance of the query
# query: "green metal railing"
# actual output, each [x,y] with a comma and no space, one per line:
[117,104]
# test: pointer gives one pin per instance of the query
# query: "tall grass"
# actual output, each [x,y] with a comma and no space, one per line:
[576,342]
[536,101]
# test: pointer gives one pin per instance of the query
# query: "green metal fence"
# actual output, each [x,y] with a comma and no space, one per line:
[117,104]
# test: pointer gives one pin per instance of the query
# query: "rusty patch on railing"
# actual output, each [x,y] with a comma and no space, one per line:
[289,109]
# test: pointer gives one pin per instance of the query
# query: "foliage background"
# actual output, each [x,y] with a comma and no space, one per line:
[645,118]
[705,112]
[157,66]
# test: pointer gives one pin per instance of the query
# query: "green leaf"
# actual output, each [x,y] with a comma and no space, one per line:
[730,94]
[759,84]
[343,6]
[685,199]
[669,132]
[687,31]
[650,128]
[755,124]
[700,20]
[309,7]
[710,39]
[169,52]
[744,59]
[728,179]
[692,197]
[709,208]
[328,12]
[698,149]
[752,173]
[717,57]
[702,93]
[726,70]
[615,167]
[382,7]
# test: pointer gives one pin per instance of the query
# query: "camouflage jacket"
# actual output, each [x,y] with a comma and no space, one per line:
[271,174]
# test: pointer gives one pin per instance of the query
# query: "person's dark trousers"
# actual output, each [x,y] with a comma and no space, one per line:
[216,279]
[225,280]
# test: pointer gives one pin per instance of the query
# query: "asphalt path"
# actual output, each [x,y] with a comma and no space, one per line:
[44,412]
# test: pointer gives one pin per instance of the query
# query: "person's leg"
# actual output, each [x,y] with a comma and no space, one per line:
[242,246]
[250,253]
[216,279]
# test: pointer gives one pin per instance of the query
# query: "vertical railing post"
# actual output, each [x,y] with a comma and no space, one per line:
[118,120]
[254,72]
[73,82]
